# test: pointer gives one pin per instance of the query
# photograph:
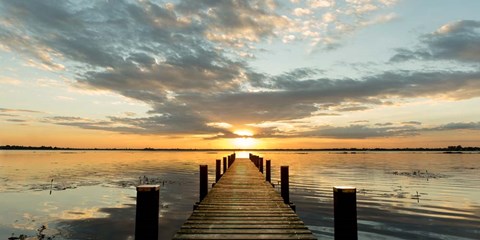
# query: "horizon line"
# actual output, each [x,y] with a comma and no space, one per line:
[448,148]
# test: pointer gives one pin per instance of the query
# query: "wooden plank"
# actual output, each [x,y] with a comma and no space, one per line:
[244,236]
[242,205]
[242,231]
[243,226]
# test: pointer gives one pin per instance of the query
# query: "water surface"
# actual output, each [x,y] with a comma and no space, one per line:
[401,195]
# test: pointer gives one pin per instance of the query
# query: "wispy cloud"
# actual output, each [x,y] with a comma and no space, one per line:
[326,23]
[458,126]
[10,110]
[10,81]
[361,132]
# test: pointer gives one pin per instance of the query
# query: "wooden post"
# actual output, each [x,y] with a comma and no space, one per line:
[203,181]
[146,218]
[261,165]
[217,170]
[345,213]
[224,165]
[268,169]
[229,161]
[284,182]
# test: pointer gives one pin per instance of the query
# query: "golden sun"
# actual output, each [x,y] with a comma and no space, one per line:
[245,140]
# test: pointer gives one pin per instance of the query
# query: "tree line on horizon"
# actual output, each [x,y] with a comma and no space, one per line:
[457,148]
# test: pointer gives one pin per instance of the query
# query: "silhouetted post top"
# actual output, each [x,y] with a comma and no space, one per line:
[344,189]
[345,213]
[147,208]
[148,188]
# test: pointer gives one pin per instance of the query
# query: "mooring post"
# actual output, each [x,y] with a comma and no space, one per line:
[284,184]
[261,165]
[345,213]
[146,218]
[268,169]
[203,181]
[218,167]
[224,165]
[229,161]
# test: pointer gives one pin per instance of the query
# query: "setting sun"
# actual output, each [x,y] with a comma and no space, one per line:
[245,142]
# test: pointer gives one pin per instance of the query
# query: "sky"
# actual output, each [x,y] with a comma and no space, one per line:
[238,74]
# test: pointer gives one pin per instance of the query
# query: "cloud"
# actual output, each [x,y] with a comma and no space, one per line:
[179,123]
[321,3]
[412,123]
[458,126]
[235,22]
[10,81]
[289,99]
[384,124]
[339,21]
[16,120]
[364,131]
[64,98]
[328,17]
[10,110]
[459,41]
[292,99]
[220,124]
[301,12]
[361,132]
[7,115]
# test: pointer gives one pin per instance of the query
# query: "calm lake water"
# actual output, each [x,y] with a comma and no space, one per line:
[400,195]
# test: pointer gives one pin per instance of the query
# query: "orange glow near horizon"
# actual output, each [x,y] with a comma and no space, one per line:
[65,136]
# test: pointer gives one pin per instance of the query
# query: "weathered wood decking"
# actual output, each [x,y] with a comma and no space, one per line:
[242,205]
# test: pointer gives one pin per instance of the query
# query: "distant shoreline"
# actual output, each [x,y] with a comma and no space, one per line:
[450,149]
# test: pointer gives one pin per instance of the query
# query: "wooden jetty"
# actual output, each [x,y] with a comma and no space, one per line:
[242,205]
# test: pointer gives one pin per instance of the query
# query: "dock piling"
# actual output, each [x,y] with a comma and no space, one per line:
[203,181]
[224,165]
[146,218]
[284,184]
[260,167]
[217,170]
[345,213]
[268,171]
